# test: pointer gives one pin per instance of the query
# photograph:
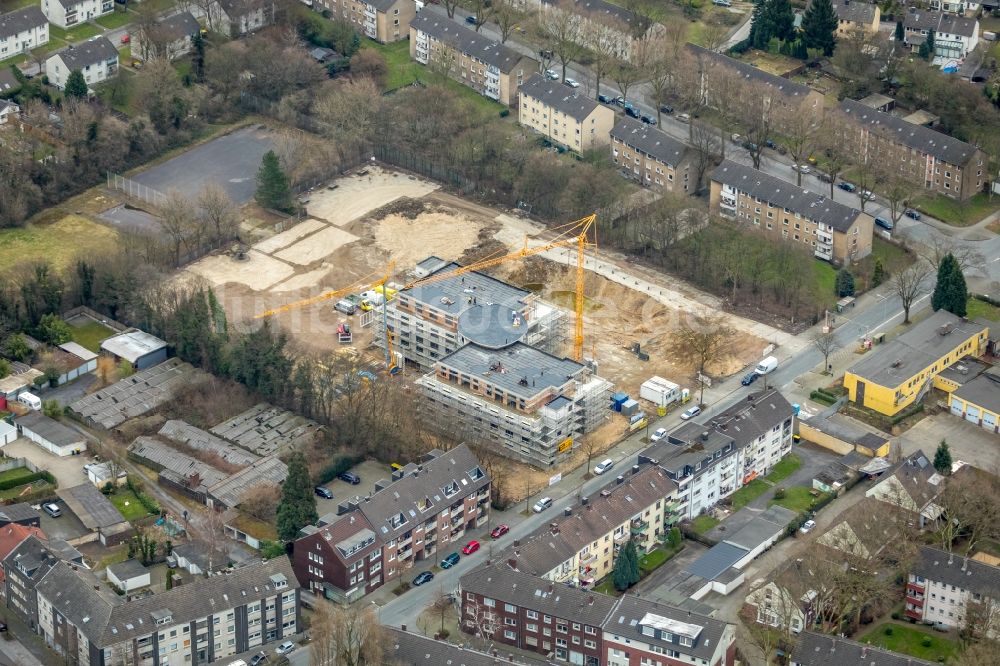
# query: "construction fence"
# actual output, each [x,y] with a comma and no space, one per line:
[135,190]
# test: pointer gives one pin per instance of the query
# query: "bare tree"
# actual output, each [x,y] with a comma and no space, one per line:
[450,6]
[219,212]
[176,215]
[938,247]
[507,15]
[708,148]
[867,177]
[758,118]
[625,75]
[702,339]
[826,343]
[349,112]
[261,501]
[561,30]
[482,10]
[909,283]
[714,35]
[346,636]
[605,59]
[213,537]
[800,130]
[480,620]
[897,191]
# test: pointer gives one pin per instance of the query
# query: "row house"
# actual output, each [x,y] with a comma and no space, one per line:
[614,28]
[925,157]
[580,545]
[955,37]
[170,37]
[913,487]
[408,647]
[505,605]
[22,30]
[492,69]
[384,21]
[710,461]
[211,620]
[562,116]
[651,157]
[780,210]
[953,592]
[96,59]
[411,517]
[68,13]
[853,15]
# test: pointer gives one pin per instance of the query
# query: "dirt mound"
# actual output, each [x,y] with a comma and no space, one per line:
[404,207]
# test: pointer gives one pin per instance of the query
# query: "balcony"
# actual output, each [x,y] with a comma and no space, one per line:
[639,526]
[622,538]
[589,559]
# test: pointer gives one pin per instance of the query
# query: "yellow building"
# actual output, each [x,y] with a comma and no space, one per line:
[558,113]
[853,16]
[978,401]
[894,376]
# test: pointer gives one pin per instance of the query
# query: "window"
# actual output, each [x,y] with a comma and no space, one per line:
[489,603]
[509,635]
[531,615]
[510,608]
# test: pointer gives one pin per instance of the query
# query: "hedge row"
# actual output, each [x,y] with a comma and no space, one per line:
[26,479]
[822,397]
[147,502]
[909,411]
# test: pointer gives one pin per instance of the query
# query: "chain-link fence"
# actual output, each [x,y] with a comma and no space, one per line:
[135,190]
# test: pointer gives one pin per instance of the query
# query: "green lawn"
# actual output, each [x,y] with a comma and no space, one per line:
[956,213]
[60,243]
[16,492]
[748,493]
[976,308]
[797,498]
[825,276]
[785,468]
[910,640]
[128,504]
[76,34]
[15,474]
[115,19]
[703,524]
[91,335]
[890,254]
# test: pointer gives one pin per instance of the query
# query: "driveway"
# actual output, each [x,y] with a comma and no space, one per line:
[667,584]
[66,527]
[68,470]
[967,442]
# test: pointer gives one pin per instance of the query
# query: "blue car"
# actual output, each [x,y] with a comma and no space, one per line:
[749,378]
[847,187]
[884,223]
[422,578]
[912,214]
[450,561]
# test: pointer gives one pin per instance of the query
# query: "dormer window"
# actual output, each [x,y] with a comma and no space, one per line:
[450,489]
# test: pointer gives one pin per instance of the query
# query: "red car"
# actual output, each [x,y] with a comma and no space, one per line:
[499,531]
[470,547]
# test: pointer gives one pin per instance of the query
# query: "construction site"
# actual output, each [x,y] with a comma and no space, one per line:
[508,329]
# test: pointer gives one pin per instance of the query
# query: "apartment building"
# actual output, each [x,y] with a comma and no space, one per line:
[651,157]
[22,30]
[955,36]
[490,68]
[407,647]
[96,59]
[432,320]
[829,230]
[710,461]
[925,157]
[812,649]
[235,18]
[580,544]
[200,623]
[899,373]
[508,606]
[950,591]
[558,113]
[169,38]
[853,15]
[382,20]
[23,568]
[410,517]
[597,22]
[68,13]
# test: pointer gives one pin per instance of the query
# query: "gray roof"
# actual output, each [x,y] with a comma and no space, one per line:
[266,471]
[520,369]
[559,97]
[750,73]
[128,569]
[846,429]
[983,391]
[81,598]
[814,649]
[198,553]
[964,370]
[50,429]
[718,559]
[811,205]
[631,610]
[78,350]
[12,513]
[650,141]
[434,21]
[266,429]
[90,52]
[762,528]
[132,345]
[19,20]
[599,9]
[382,5]
[409,649]
[855,12]
[176,26]
[452,469]
[915,350]
[498,581]
[32,558]
[939,22]
[924,139]
[93,509]
[196,438]
[8,81]
[456,294]
[962,572]
[166,457]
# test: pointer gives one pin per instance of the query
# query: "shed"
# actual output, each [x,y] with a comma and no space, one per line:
[88,358]
[51,435]
[129,575]
[97,513]
[101,474]
[21,514]
[8,433]
[138,348]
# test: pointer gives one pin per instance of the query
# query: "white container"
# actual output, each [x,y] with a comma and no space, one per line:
[659,391]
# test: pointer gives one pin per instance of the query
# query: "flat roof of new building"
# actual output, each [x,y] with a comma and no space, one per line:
[762,528]
[519,369]
[846,429]
[493,326]
[455,294]
[917,349]
[133,345]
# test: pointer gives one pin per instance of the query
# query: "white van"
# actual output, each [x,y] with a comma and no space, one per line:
[31,401]
[766,366]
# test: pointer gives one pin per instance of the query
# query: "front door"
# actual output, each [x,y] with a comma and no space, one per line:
[859,393]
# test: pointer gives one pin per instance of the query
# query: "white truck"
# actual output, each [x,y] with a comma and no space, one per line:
[766,366]
[659,391]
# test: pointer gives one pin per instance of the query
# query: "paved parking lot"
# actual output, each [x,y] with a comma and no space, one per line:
[66,527]
[369,471]
[967,442]
[68,470]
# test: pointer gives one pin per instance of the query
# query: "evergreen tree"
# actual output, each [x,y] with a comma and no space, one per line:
[298,503]
[626,571]
[198,59]
[819,26]
[930,42]
[76,85]
[878,273]
[950,292]
[674,537]
[900,35]
[781,19]
[759,33]
[845,283]
[942,458]
[923,52]
[272,184]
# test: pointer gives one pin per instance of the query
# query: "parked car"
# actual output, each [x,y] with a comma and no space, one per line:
[470,547]
[323,491]
[605,99]
[632,111]
[345,306]
[126,38]
[912,214]
[471,20]
[542,504]
[499,531]
[349,477]
[551,75]
[448,562]
[722,3]
[572,83]
[749,378]
[603,466]
[52,509]
[620,101]
[801,168]
[807,526]
[666,108]
[660,433]
[421,578]
[648,119]
[285,648]
[884,223]
[867,195]
[691,413]
[846,186]
[771,144]
[825,177]
[684,118]
[258,659]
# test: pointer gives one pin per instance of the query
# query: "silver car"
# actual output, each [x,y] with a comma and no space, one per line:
[572,83]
